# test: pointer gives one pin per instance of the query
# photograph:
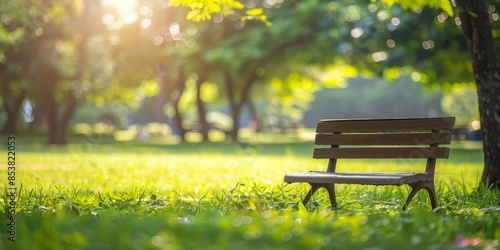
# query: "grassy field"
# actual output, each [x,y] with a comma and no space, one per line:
[99,194]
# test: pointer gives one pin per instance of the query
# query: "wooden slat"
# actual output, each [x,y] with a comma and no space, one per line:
[358,178]
[387,152]
[385,125]
[383,139]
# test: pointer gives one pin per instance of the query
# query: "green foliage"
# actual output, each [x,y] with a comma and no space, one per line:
[209,92]
[111,118]
[461,101]
[413,5]
[150,87]
[126,55]
[11,37]
[289,98]
[203,10]
[186,103]
[334,75]
[375,98]
[288,230]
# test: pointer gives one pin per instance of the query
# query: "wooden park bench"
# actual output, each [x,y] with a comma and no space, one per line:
[393,138]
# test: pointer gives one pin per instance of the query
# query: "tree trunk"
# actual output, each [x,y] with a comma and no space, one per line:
[478,36]
[255,116]
[51,113]
[202,112]
[70,109]
[57,114]
[160,98]
[37,122]
[58,120]
[12,109]
[176,97]
[235,106]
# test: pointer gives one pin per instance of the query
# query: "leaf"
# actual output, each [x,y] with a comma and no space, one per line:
[255,12]
[151,87]
[193,15]
[175,3]
[99,101]
[302,210]
[472,14]
[392,74]
[209,92]
[350,71]
[203,10]
[444,5]
[238,5]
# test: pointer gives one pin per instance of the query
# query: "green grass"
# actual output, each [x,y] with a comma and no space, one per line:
[100,194]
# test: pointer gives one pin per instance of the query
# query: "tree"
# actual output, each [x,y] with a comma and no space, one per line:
[159,47]
[476,23]
[13,63]
[477,30]
[49,61]
[49,77]
[235,54]
[258,55]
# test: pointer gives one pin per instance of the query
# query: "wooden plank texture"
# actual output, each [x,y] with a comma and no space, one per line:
[381,152]
[383,139]
[385,125]
[358,178]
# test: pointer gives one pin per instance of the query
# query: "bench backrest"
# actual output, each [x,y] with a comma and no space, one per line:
[383,138]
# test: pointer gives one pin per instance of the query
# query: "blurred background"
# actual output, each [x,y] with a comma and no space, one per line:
[139,70]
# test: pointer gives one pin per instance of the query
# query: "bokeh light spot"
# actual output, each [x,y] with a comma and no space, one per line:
[391,43]
[356,32]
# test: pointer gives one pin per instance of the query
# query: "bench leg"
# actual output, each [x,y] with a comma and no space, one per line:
[432,195]
[315,186]
[429,186]
[331,193]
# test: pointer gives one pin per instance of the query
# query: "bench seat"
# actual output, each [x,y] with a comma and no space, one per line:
[358,178]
